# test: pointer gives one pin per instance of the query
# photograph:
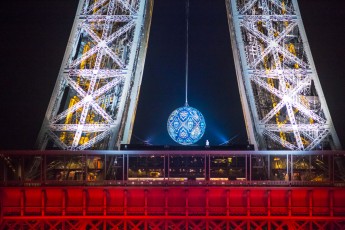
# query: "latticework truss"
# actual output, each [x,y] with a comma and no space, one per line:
[95,97]
[171,208]
[281,95]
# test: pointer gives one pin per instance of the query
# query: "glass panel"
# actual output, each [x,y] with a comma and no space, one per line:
[32,168]
[320,168]
[339,167]
[187,167]
[95,168]
[114,164]
[75,168]
[259,167]
[14,167]
[55,168]
[229,167]
[146,167]
[279,167]
[2,169]
[301,168]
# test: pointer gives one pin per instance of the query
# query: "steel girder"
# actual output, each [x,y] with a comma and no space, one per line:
[173,224]
[281,95]
[171,208]
[94,101]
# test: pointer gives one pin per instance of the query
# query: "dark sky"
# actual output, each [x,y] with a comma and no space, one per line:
[34,36]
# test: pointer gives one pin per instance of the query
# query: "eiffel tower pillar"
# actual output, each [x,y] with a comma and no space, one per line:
[95,97]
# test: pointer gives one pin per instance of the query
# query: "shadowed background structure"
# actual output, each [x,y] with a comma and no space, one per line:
[35,35]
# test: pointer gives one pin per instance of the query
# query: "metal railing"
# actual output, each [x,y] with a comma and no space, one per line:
[173,168]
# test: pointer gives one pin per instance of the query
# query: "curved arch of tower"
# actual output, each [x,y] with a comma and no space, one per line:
[95,97]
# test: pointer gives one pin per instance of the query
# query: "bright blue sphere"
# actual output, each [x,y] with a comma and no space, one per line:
[186,125]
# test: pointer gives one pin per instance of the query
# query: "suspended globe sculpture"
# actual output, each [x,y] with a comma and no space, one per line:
[186,125]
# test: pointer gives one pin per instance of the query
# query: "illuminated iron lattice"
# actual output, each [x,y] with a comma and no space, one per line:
[95,97]
[186,125]
[281,95]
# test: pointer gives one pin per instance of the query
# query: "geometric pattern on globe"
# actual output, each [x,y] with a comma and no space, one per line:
[186,125]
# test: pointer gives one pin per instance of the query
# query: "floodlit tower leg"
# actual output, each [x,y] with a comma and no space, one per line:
[282,99]
[95,97]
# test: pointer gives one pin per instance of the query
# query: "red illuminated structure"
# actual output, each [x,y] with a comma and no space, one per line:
[94,105]
[173,208]
[86,197]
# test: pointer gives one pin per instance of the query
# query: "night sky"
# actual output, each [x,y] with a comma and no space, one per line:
[34,35]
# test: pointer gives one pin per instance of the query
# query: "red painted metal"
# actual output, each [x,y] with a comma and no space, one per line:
[172,208]
[165,203]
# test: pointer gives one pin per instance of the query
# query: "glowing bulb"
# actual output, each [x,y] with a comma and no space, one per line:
[88,98]
[287,98]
